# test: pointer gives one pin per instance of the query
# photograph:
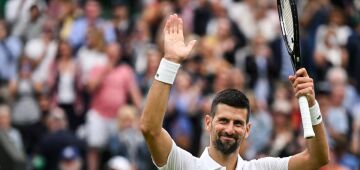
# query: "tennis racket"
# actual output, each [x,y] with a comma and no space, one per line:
[290,33]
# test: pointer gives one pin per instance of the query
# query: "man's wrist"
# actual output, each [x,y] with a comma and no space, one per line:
[312,102]
[167,71]
[315,114]
[173,59]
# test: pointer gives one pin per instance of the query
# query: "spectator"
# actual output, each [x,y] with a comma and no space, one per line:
[211,62]
[110,87]
[181,107]
[12,155]
[91,19]
[339,119]
[64,84]
[255,17]
[153,16]
[70,159]
[57,138]
[90,56]
[330,42]
[186,8]
[227,39]
[16,10]
[201,18]
[153,58]
[282,66]
[128,140]
[10,50]
[222,80]
[282,134]
[238,80]
[30,28]
[119,163]
[67,15]
[41,51]
[262,126]
[123,25]
[353,49]
[259,66]
[140,41]
[26,113]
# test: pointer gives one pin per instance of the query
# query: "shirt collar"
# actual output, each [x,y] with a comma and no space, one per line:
[210,163]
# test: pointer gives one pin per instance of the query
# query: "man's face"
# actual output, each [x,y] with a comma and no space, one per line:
[92,10]
[228,128]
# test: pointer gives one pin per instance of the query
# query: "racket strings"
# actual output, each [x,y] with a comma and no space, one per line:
[288,23]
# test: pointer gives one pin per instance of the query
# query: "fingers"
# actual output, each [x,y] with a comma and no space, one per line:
[304,92]
[304,86]
[302,80]
[174,25]
[292,79]
[180,26]
[191,45]
[167,25]
[301,73]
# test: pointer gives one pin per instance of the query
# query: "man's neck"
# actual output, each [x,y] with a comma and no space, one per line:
[228,161]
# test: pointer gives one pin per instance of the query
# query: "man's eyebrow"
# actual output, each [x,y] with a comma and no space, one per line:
[240,121]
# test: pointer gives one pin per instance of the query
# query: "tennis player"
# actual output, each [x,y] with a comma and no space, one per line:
[228,123]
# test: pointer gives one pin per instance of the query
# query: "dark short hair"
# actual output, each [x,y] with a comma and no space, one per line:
[233,98]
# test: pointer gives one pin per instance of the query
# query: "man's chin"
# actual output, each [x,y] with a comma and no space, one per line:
[226,147]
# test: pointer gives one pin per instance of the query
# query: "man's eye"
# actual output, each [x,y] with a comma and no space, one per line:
[238,123]
[223,121]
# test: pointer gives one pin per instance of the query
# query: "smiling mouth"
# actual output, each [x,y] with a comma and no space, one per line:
[227,138]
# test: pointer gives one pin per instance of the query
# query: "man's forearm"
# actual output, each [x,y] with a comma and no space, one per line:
[318,147]
[155,107]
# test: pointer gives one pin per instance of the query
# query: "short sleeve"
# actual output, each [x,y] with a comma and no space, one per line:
[269,163]
[179,159]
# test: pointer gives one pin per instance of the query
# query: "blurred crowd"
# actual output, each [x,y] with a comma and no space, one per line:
[74,76]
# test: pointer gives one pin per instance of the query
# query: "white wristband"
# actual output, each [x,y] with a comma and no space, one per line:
[167,70]
[315,114]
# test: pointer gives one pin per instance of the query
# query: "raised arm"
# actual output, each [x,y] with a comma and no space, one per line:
[158,140]
[316,153]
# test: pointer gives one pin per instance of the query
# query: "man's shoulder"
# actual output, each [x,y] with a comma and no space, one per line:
[265,163]
[180,159]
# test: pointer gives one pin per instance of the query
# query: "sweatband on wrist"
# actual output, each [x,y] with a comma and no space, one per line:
[167,70]
[315,114]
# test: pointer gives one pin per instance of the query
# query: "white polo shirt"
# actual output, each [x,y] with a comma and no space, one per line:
[180,159]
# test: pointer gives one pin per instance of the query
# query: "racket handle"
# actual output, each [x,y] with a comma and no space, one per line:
[305,117]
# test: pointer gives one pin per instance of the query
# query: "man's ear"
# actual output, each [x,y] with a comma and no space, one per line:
[208,120]
[247,130]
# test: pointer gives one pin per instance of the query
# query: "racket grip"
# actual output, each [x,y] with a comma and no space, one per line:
[305,117]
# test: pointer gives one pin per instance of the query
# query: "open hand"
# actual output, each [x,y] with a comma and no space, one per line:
[303,85]
[175,48]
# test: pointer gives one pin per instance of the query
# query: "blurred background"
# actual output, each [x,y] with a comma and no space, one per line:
[74,75]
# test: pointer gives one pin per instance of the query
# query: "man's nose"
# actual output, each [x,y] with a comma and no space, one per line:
[230,128]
